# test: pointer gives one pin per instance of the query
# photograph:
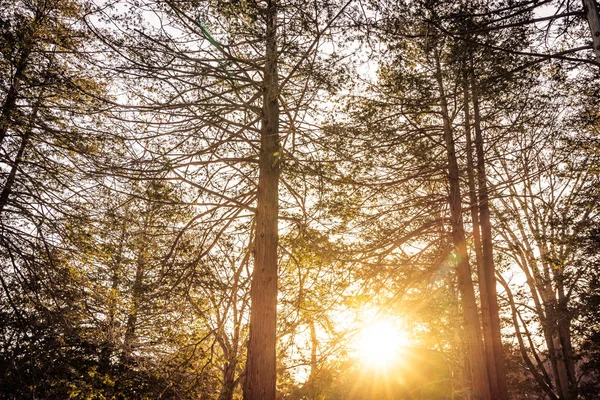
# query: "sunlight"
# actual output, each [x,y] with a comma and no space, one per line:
[379,344]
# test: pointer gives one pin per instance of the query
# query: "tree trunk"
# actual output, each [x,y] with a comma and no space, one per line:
[314,344]
[107,350]
[539,280]
[481,275]
[229,382]
[474,347]
[10,101]
[261,375]
[591,11]
[136,300]
[10,180]
[542,381]
[487,250]
[564,333]
[550,328]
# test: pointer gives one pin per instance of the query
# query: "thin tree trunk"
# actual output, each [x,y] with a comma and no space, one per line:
[137,290]
[564,333]
[261,375]
[540,286]
[314,344]
[541,293]
[550,328]
[136,299]
[231,348]
[10,101]
[487,250]
[109,341]
[481,275]
[10,180]
[460,374]
[229,381]
[542,383]
[591,11]
[475,353]
[126,356]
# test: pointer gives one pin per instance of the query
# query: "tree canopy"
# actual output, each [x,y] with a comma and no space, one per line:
[290,199]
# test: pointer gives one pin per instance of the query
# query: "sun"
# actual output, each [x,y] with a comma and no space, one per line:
[379,344]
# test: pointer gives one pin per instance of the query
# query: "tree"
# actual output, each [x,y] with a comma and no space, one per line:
[48,148]
[245,76]
[555,27]
[537,220]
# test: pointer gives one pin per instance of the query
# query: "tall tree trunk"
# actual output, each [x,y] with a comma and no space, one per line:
[474,347]
[591,11]
[261,375]
[481,274]
[487,250]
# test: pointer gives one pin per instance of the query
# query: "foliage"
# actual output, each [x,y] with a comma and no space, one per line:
[131,144]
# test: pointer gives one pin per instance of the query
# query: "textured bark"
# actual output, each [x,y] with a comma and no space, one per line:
[481,275]
[261,376]
[487,250]
[591,12]
[474,347]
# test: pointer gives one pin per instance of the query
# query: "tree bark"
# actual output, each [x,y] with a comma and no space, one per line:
[487,249]
[591,12]
[474,347]
[481,275]
[261,375]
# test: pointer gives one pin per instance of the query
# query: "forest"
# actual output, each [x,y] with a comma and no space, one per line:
[299,199]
